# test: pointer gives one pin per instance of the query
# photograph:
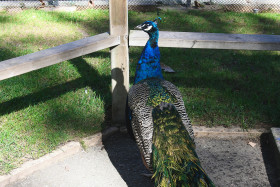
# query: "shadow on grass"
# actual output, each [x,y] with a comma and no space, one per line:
[95,26]
[257,90]
[6,54]
[4,18]
[98,83]
[90,77]
[225,87]
[240,80]
[210,21]
[255,85]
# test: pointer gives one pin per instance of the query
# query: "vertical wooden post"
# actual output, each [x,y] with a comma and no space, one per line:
[119,59]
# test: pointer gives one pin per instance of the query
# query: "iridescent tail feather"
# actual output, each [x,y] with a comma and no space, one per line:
[175,162]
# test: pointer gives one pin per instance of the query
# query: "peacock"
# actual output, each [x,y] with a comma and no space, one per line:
[157,120]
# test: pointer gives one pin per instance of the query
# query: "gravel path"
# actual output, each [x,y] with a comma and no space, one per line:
[229,162]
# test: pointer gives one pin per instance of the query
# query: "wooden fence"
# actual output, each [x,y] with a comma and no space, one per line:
[117,40]
[209,40]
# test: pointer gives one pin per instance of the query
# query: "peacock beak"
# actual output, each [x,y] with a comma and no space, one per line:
[138,27]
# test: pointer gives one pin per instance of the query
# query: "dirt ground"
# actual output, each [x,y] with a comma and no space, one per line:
[228,161]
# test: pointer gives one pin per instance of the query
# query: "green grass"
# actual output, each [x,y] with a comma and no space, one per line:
[45,108]
[222,87]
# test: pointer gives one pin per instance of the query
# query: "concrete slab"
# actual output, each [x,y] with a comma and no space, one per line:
[85,169]
[276,135]
[228,161]
[63,152]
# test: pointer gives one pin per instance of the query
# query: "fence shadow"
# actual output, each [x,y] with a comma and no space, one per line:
[90,77]
[269,159]
[125,156]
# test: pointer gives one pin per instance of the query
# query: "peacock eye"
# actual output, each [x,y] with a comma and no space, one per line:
[147,27]
[144,26]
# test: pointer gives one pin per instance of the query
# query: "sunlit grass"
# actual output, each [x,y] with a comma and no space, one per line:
[36,30]
[45,108]
[48,107]
[42,109]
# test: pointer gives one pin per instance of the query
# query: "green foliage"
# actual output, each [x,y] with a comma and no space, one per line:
[45,108]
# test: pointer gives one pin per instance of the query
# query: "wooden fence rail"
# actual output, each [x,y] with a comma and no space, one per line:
[23,64]
[119,55]
[209,40]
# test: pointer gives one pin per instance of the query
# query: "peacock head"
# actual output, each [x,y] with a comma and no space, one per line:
[149,26]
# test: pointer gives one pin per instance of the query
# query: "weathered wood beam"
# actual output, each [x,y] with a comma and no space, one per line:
[119,59]
[23,64]
[209,40]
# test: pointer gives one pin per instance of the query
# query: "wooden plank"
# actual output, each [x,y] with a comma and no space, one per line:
[119,59]
[23,64]
[209,40]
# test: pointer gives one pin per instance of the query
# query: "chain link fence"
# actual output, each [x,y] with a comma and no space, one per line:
[249,5]
[144,5]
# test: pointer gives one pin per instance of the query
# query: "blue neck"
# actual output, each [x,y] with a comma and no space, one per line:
[153,39]
[149,64]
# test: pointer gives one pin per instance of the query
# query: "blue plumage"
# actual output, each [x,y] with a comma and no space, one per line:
[157,119]
[148,65]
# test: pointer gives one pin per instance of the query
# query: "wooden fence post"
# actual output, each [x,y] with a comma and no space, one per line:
[189,3]
[119,59]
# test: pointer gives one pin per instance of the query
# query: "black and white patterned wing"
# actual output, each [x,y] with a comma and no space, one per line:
[141,122]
